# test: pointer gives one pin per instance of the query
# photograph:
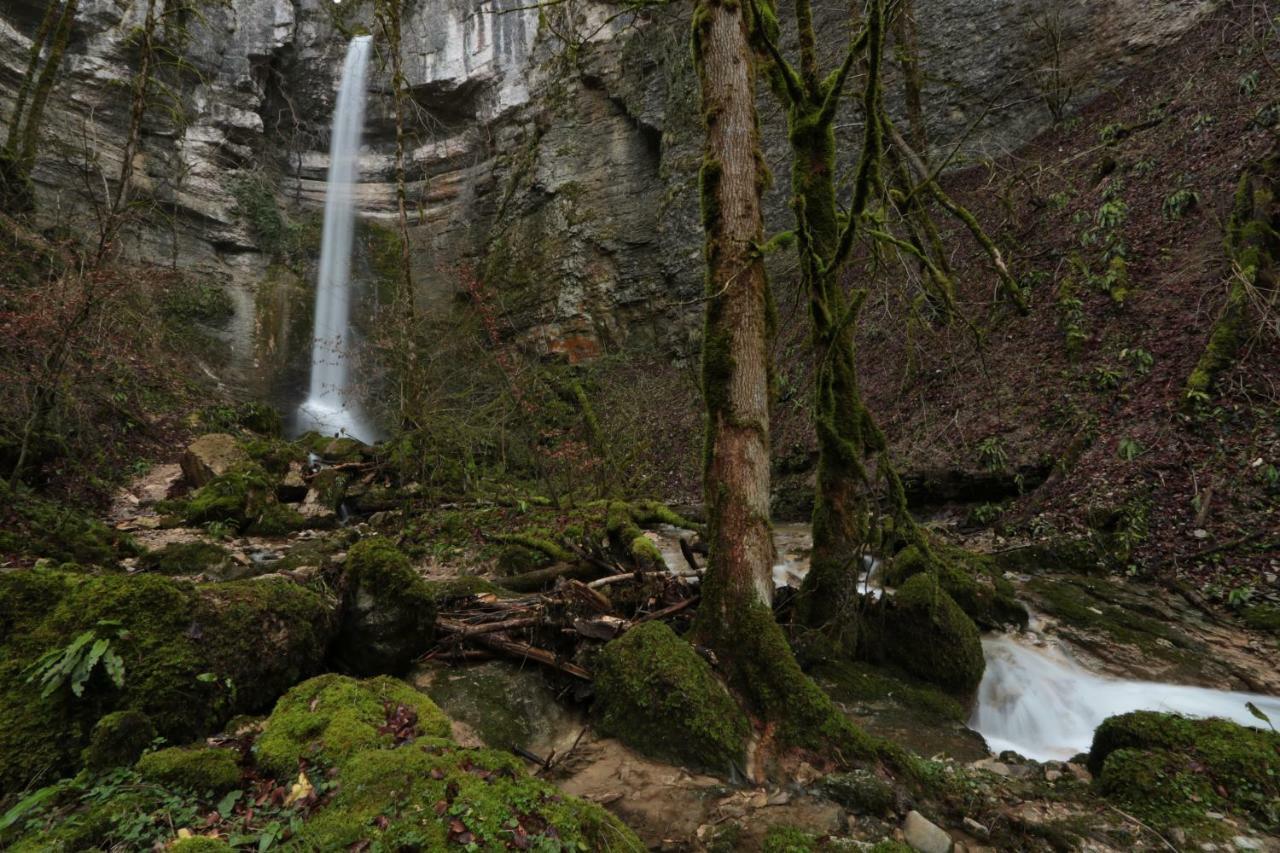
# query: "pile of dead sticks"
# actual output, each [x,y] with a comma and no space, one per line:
[560,629]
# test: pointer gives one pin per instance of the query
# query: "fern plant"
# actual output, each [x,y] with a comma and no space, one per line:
[74,664]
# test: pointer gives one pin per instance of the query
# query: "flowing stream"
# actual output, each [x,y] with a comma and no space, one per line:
[1037,701]
[331,407]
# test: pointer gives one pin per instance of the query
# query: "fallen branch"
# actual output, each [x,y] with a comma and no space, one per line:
[539,578]
[527,652]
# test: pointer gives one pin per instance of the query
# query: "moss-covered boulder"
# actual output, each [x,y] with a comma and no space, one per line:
[655,693]
[388,612]
[1172,771]
[330,718]
[194,656]
[237,498]
[187,558]
[192,768]
[118,740]
[400,783]
[973,580]
[929,636]
[505,704]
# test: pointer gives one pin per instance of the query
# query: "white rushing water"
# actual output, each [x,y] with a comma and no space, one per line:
[331,406]
[1038,702]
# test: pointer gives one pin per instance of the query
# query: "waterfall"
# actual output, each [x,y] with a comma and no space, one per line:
[330,406]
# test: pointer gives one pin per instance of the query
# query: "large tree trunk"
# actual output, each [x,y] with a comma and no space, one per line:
[735,349]
[735,618]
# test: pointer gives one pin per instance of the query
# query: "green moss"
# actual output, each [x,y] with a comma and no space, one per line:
[419,795]
[201,844]
[118,739]
[654,692]
[185,558]
[889,846]
[192,768]
[238,497]
[519,560]
[849,681]
[1263,617]
[389,611]
[932,638]
[973,580]
[859,791]
[1171,770]
[259,635]
[789,839]
[333,717]
[278,520]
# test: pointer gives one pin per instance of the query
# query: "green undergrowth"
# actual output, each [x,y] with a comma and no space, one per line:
[1174,771]
[35,527]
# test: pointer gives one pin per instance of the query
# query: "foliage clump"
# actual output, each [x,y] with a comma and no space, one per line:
[654,692]
[1171,770]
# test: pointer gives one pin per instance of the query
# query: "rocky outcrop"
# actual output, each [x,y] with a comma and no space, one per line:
[565,181]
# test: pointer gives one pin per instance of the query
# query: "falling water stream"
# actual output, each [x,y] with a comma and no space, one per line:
[1037,701]
[330,406]
[1035,698]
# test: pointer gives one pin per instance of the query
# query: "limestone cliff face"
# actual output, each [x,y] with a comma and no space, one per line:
[564,178]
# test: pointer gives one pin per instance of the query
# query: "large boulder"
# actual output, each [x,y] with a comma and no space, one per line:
[388,615]
[656,693]
[211,456]
[929,636]
[1177,772]
[400,783]
[193,657]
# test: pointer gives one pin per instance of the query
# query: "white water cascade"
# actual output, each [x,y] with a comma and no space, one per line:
[1038,702]
[330,406]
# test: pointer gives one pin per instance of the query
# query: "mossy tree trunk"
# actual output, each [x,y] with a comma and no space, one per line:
[738,324]
[735,618]
[843,517]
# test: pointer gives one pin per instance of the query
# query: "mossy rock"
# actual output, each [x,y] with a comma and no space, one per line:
[655,693]
[238,498]
[330,718]
[118,740]
[192,768]
[187,558]
[389,610]
[518,560]
[508,706]
[1171,770]
[392,798]
[1077,556]
[278,520]
[930,637]
[194,656]
[973,580]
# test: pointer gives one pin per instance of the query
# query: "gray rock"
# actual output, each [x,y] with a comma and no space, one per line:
[925,836]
